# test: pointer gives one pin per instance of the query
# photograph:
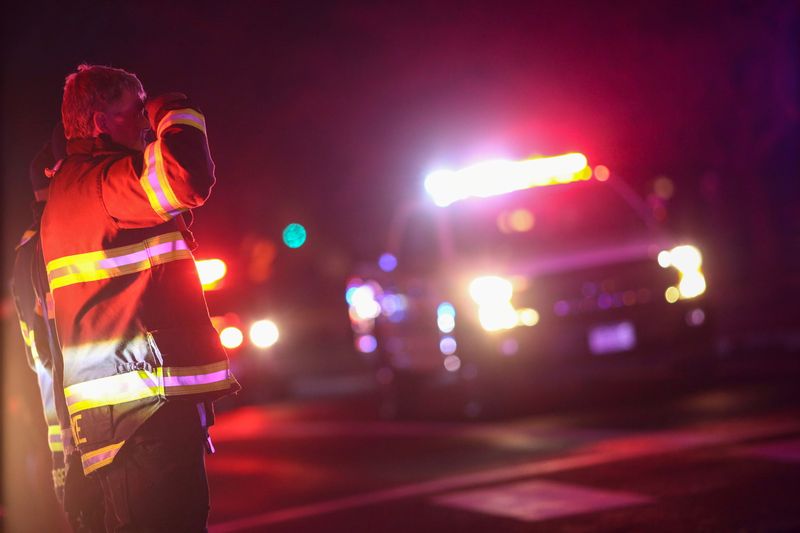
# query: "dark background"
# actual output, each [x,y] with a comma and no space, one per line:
[331,113]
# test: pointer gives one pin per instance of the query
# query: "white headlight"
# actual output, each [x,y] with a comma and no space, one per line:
[686,258]
[490,289]
[264,333]
[688,261]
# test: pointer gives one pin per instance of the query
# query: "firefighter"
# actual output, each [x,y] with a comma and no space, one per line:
[81,498]
[142,362]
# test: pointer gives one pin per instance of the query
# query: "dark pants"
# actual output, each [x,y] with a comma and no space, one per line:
[158,481]
[83,499]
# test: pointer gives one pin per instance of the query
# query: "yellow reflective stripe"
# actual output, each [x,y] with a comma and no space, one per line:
[81,277]
[24,329]
[195,370]
[148,173]
[156,184]
[186,117]
[90,257]
[54,438]
[100,457]
[63,281]
[34,351]
[140,384]
[199,389]
[114,390]
[164,182]
[154,179]
[93,266]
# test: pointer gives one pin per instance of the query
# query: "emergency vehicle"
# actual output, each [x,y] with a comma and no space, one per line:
[530,270]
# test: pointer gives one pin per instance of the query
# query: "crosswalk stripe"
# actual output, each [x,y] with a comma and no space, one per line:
[534,501]
[603,452]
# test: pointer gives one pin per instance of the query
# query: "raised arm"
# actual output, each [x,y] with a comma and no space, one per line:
[174,174]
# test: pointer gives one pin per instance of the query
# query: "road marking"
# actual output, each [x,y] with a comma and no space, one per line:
[608,451]
[534,501]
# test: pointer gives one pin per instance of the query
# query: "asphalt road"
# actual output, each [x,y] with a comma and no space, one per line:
[722,456]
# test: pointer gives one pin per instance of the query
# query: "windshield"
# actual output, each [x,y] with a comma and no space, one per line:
[543,220]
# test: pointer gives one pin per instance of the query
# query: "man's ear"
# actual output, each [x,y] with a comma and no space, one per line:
[100,123]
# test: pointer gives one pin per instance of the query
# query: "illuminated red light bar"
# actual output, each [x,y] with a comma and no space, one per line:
[501,176]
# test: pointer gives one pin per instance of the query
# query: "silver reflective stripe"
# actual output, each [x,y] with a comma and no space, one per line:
[140,384]
[113,390]
[98,458]
[188,117]
[114,262]
[54,438]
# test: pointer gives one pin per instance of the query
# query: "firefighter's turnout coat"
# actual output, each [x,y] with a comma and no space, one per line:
[130,312]
[38,337]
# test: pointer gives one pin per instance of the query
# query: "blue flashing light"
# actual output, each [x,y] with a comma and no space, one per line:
[348,295]
[446,308]
[294,235]
[387,262]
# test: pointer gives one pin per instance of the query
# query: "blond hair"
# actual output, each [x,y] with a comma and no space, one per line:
[93,88]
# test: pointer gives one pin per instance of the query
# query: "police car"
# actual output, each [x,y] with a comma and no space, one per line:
[532,269]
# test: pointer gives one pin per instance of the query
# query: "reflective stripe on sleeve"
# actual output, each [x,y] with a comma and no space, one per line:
[31,342]
[54,438]
[24,329]
[156,185]
[98,458]
[140,384]
[187,117]
[104,264]
[154,179]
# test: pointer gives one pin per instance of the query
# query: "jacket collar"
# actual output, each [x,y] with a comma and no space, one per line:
[94,145]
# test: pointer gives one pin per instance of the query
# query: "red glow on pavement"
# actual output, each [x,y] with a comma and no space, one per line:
[245,423]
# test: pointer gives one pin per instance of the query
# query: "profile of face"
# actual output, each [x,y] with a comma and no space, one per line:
[125,121]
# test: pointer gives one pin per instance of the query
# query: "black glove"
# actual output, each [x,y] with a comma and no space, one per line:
[158,106]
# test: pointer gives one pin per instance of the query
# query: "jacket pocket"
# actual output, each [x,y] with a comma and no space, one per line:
[193,345]
[158,359]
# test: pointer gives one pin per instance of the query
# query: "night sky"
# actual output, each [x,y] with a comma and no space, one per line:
[331,113]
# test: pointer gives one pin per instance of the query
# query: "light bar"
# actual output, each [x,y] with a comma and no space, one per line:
[501,176]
